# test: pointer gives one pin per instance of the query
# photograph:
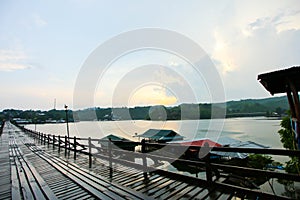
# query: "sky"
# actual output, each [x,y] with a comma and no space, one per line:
[44,46]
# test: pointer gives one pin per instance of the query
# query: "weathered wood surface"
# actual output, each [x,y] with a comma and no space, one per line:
[5,171]
[40,175]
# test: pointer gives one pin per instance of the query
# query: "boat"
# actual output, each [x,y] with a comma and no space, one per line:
[117,141]
[192,152]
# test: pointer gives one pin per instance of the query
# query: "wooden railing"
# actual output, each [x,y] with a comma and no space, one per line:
[213,171]
[1,127]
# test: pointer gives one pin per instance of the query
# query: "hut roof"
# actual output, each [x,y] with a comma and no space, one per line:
[114,138]
[158,134]
[277,81]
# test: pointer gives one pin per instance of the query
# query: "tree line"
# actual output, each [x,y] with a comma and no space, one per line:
[275,106]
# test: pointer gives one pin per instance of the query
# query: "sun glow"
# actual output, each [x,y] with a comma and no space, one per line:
[152,95]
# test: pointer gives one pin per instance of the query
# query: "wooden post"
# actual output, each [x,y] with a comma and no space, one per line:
[74,147]
[59,143]
[291,103]
[297,110]
[48,138]
[53,141]
[45,137]
[66,142]
[110,158]
[90,153]
[208,169]
[144,158]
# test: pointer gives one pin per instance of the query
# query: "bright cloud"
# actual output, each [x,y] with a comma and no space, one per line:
[11,60]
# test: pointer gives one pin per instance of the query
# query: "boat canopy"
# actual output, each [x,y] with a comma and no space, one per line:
[161,135]
[114,138]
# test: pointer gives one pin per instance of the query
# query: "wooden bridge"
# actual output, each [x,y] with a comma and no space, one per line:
[41,166]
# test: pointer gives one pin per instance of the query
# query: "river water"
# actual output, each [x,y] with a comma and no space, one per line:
[259,129]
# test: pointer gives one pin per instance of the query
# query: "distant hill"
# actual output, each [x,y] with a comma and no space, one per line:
[268,106]
[274,106]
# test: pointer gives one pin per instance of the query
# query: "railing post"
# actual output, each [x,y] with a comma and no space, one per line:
[208,169]
[66,145]
[53,141]
[90,153]
[45,138]
[74,147]
[59,143]
[144,158]
[110,158]
[48,138]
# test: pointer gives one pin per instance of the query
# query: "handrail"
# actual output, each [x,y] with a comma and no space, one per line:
[107,153]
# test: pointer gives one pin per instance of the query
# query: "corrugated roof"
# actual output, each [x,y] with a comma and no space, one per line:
[239,144]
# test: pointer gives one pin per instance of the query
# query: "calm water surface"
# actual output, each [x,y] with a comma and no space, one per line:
[260,130]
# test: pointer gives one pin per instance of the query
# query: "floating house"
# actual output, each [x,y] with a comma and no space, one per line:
[192,152]
[160,135]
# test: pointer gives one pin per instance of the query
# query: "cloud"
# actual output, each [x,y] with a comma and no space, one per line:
[8,67]
[250,43]
[39,21]
[12,60]
[283,21]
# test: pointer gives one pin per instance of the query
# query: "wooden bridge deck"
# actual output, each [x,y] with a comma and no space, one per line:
[31,170]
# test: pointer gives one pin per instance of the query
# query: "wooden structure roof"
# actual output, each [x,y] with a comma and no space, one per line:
[161,135]
[278,81]
[286,81]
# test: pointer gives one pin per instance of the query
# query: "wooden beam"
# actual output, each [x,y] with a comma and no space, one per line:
[291,103]
[297,110]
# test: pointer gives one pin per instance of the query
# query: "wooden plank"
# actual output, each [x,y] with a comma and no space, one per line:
[79,179]
[15,186]
[66,191]
[26,191]
[170,190]
[94,180]
[166,189]
[142,183]
[124,179]
[185,192]
[154,187]
[27,180]
[38,183]
[131,180]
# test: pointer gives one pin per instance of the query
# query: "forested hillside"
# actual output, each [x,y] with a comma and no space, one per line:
[275,106]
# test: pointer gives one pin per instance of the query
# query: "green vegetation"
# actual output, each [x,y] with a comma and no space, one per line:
[259,161]
[275,106]
[287,138]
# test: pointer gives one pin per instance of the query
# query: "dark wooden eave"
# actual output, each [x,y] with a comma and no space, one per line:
[279,81]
